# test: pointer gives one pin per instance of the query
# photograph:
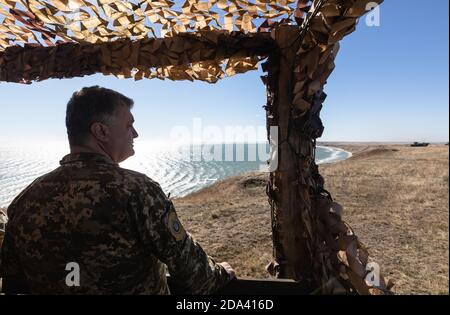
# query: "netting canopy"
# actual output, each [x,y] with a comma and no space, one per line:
[178,40]
[53,23]
[104,20]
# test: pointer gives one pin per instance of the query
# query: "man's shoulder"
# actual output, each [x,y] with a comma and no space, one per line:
[37,187]
[120,180]
[133,175]
[37,183]
[143,181]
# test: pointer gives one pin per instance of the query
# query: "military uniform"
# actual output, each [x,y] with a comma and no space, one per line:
[116,224]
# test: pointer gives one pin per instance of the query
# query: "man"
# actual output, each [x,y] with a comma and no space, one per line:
[91,227]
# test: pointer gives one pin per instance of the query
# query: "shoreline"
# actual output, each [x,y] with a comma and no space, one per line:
[325,162]
[331,160]
[182,187]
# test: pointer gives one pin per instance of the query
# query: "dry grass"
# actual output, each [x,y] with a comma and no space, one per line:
[397,202]
[395,198]
[231,220]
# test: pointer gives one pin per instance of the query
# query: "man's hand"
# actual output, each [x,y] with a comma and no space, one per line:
[228,268]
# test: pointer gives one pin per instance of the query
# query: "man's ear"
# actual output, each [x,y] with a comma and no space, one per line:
[100,131]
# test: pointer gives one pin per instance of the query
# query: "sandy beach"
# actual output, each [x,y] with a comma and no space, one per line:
[394,196]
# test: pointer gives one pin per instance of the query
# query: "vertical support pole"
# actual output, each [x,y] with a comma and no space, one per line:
[288,187]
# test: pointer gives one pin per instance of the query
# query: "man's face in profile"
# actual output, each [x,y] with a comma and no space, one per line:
[122,134]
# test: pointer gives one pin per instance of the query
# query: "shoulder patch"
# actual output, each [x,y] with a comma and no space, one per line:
[174,226]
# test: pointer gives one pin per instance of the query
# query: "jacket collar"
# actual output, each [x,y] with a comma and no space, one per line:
[85,157]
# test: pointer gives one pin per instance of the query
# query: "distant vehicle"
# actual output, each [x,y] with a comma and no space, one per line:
[420,144]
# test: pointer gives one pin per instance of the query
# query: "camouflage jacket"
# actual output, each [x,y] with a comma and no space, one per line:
[117,225]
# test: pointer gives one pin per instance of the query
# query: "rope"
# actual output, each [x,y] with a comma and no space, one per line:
[309,17]
[303,28]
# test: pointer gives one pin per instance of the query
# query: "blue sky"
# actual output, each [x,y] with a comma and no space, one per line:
[390,84]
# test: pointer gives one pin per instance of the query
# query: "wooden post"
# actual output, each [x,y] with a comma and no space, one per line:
[288,188]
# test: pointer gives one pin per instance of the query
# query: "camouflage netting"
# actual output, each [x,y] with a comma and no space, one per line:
[208,40]
[338,258]
[209,57]
[50,21]
[36,24]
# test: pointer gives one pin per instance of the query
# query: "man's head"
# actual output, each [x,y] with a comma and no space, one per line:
[100,118]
